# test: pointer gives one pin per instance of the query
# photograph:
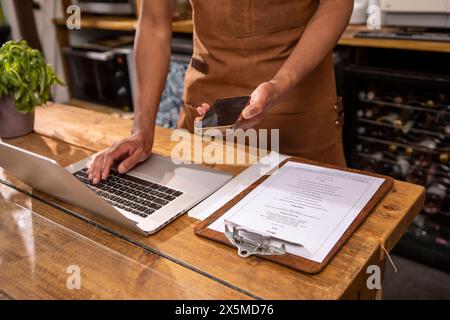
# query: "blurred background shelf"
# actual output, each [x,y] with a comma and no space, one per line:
[121,23]
[348,38]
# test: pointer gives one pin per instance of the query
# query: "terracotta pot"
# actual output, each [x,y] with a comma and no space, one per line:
[14,124]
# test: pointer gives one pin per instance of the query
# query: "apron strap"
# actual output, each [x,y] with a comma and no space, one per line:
[200,66]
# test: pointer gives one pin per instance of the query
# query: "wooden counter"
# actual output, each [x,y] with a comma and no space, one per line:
[38,255]
[347,39]
[68,134]
[120,23]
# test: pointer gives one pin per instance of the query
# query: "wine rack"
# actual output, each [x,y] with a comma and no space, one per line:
[398,124]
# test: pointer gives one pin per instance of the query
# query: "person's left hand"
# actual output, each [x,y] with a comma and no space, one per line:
[261,101]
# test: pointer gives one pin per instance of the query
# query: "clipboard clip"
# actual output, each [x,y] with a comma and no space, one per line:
[247,247]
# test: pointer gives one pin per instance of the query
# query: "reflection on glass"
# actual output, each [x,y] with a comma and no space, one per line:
[42,259]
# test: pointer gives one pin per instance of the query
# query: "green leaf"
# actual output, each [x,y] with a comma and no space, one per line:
[25,74]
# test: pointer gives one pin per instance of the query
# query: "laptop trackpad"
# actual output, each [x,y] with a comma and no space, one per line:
[187,177]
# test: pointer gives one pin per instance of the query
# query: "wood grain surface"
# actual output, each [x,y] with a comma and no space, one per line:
[37,253]
[68,134]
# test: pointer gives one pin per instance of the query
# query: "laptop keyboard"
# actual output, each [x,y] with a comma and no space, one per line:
[129,193]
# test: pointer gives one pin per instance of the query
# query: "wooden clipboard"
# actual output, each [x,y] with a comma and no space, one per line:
[287,259]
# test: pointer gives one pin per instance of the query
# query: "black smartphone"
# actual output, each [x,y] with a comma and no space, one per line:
[225,112]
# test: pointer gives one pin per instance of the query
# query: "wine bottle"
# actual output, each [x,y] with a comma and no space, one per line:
[435,198]
[362,95]
[393,148]
[428,143]
[430,103]
[402,121]
[370,95]
[404,166]
[371,113]
[409,151]
[398,100]
[417,176]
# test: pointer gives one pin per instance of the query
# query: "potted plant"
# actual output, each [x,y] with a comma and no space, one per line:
[25,81]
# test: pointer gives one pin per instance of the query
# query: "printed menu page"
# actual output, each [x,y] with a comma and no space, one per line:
[306,207]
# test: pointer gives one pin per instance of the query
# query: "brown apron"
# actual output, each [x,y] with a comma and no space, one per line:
[239,44]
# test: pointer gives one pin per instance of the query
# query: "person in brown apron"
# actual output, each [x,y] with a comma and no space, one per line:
[239,45]
[277,51]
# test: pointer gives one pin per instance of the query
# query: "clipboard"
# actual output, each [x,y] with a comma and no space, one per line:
[288,259]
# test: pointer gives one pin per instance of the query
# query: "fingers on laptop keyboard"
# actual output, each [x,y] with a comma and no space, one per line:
[129,193]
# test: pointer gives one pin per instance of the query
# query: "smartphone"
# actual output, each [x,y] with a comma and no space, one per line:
[223,114]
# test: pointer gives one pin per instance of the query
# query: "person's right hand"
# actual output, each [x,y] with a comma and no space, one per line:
[129,152]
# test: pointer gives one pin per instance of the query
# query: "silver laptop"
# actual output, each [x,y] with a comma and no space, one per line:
[144,200]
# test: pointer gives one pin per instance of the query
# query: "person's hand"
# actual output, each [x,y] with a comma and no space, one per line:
[129,152]
[202,110]
[262,100]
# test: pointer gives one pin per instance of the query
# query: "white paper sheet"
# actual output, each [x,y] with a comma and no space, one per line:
[236,186]
[304,206]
